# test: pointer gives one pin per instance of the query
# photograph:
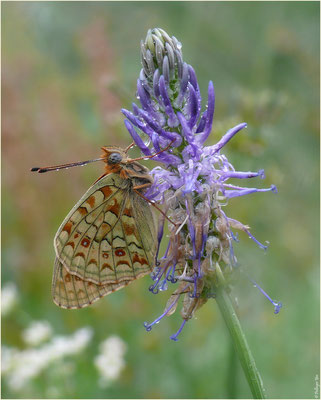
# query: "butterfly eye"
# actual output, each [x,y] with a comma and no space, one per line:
[114,158]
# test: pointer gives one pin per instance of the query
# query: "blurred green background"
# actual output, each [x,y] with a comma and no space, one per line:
[67,69]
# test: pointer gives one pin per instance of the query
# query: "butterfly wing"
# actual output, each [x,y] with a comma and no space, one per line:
[69,291]
[109,236]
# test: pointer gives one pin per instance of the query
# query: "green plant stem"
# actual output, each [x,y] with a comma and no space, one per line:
[240,343]
[231,378]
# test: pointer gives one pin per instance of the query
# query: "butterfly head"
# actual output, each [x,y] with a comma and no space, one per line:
[114,156]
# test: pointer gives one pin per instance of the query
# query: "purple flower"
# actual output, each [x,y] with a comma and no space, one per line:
[192,183]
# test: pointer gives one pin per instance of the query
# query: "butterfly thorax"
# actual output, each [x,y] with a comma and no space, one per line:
[117,162]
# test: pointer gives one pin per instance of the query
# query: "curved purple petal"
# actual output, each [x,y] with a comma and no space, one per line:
[172,120]
[137,139]
[201,138]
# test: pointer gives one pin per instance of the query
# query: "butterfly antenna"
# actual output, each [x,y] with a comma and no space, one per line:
[64,166]
[153,155]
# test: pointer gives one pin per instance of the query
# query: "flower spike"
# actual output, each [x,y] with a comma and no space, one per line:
[193,183]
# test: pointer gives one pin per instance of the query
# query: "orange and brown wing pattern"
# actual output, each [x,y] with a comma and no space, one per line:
[82,236]
[108,238]
[69,291]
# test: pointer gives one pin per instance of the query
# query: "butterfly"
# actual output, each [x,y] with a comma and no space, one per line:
[108,239]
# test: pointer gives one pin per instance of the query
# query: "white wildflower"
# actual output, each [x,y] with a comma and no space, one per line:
[9,296]
[8,354]
[110,362]
[21,366]
[62,345]
[37,332]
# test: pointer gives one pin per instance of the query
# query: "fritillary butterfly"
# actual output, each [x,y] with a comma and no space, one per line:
[108,239]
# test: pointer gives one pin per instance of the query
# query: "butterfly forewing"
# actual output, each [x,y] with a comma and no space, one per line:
[106,241]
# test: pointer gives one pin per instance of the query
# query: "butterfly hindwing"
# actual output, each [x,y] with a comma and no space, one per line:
[70,291]
[109,236]
[139,233]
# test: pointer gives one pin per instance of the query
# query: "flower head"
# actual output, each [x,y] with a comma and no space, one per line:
[192,185]
[21,366]
[37,332]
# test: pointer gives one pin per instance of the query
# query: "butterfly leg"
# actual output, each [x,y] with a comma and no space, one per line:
[129,147]
[153,155]
[145,185]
